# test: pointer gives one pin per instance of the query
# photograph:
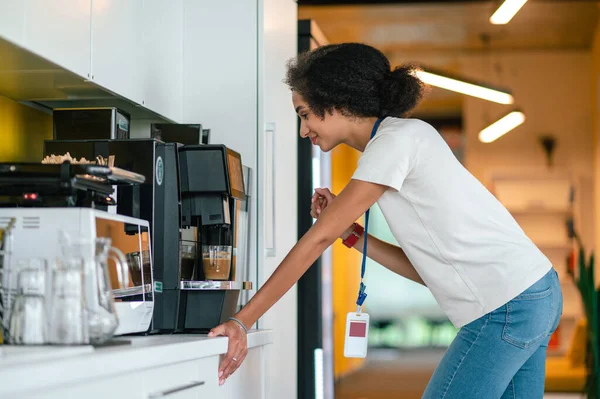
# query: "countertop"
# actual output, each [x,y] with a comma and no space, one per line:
[42,366]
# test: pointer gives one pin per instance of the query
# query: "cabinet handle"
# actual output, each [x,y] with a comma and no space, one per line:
[270,152]
[171,391]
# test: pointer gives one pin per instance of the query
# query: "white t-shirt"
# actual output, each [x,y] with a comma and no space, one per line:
[464,244]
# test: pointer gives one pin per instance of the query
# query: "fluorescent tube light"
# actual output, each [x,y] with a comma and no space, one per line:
[501,126]
[506,11]
[463,87]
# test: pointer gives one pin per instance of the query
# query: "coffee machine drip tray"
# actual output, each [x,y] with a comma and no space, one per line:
[133,291]
[215,285]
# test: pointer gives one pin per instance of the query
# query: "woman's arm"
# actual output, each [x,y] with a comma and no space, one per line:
[353,201]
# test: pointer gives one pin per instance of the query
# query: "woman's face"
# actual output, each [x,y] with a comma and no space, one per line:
[327,133]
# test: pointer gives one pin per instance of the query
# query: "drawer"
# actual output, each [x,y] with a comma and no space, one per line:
[186,380]
[196,379]
[129,386]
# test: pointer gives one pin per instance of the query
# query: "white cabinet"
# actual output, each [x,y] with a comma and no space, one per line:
[133,48]
[219,70]
[195,379]
[137,50]
[12,20]
[126,386]
[277,135]
[117,52]
[247,381]
[163,57]
[180,366]
[59,31]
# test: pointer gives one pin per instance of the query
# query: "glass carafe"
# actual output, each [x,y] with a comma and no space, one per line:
[28,316]
[102,316]
[68,316]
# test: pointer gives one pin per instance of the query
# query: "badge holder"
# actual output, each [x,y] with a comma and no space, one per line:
[357,330]
[357,323]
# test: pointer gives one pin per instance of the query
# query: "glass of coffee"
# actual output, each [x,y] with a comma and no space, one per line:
[188,259]
[216,261]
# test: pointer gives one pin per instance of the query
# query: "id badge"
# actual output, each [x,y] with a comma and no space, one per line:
[357,335]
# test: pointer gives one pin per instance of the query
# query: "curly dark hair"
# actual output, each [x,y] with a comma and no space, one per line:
[354,79]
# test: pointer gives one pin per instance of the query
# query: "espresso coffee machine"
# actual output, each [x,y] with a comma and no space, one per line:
[215,226]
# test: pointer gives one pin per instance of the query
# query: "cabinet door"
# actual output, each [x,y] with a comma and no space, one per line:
[220,67]
[247,381]
[127,386]
[117,47]
[12,20]
[195,379]
[59,31]
[163,57]
[277,139]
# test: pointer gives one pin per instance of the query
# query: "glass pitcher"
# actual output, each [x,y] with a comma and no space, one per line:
[68,316]
[105,293]
[28,316]
[102,316]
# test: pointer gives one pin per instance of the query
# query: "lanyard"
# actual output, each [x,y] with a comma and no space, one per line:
[362,295]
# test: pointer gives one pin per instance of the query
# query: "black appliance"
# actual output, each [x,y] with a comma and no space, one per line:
[187,134]
[213,199]
[91,123]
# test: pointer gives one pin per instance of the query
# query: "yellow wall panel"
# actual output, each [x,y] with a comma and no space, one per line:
[22,132]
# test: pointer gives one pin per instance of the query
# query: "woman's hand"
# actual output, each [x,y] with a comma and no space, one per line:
[237,348]
[321,200]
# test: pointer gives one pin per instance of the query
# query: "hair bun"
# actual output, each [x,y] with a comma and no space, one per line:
[401,91]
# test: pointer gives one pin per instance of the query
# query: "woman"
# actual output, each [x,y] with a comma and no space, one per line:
[455,237]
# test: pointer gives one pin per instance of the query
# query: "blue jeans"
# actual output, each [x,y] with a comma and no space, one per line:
[502,355]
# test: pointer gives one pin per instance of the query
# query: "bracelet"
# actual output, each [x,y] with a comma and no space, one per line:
[353,238]
[240,323]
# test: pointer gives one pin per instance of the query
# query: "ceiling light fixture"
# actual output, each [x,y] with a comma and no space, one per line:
[506,11]
[461,86]
[501,126]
